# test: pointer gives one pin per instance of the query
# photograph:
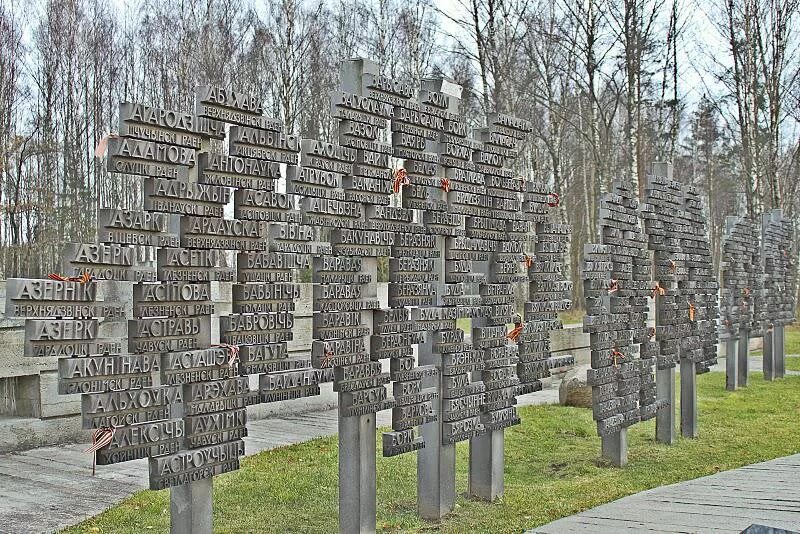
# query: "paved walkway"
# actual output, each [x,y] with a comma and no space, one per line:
[767,494]
[755,365]
[49,488]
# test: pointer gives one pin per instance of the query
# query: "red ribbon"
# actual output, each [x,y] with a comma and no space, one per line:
[400,179]
[553,200]
[672,267]
[445,184]
[618,355]
[651,333]
[691,310]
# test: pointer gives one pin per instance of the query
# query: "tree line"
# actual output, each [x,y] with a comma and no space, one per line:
[610,86]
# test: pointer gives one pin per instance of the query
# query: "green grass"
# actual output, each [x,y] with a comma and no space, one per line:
[792,339]
[572,316]
[793,363]
[552,470]
[791,343]
[464,324]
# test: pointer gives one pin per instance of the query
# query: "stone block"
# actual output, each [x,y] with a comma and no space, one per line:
[53,404]
[574,391]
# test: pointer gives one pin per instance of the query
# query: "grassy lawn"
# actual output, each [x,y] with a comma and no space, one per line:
[791,344]
[792,339]
[572,316]
[552,470]
[793,363]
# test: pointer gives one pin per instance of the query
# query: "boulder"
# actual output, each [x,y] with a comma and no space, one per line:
[573,390]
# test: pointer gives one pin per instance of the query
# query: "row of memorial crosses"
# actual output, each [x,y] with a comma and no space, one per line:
[166,371]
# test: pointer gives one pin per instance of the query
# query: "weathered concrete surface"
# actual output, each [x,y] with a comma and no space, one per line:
[767,493]
[571,340]
[47,489]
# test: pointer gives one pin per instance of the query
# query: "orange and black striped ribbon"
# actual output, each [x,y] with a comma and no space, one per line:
[328,358]
[515,332]
[658,290]
[100,438]
[614,286]
[233,352]
[528,261]
[85,277]
[400,179]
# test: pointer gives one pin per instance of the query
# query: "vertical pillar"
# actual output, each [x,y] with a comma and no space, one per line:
[744,352]
[436,475]
[688,399]
[777,350]
[436,462]
[665,418]
[486,463]
[357,467]
[190,507]
[768,358]
[665,391]
[615,447]
[731,364]
[486,451]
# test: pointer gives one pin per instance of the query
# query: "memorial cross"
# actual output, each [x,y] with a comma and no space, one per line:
[739,281]
[616,274]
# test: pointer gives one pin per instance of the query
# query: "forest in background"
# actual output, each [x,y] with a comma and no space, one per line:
[610,86]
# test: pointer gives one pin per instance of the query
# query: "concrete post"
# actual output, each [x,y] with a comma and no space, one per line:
[688,399]
[665,418]
[190,507]
[486,463]
[768,358]
[357,467]
[778,352]
[744,351]
[731,364]
[436,463]
[615,447]
[665,390]
[486,451]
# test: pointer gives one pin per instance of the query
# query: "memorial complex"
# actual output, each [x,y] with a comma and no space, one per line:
[476,257]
